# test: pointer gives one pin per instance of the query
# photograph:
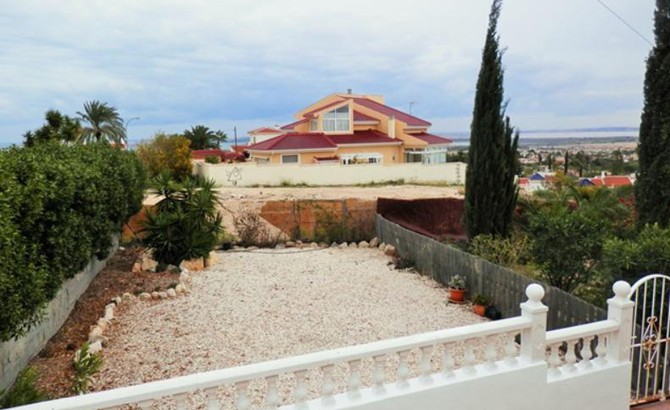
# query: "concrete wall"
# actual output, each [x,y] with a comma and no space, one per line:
[525,387]
[15,354]
[248,174]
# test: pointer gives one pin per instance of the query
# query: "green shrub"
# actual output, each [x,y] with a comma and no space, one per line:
[85,366]
[566,246]
[212,159]
[502,251]
[185,223]
[23,391]
[634,258]
[60,207]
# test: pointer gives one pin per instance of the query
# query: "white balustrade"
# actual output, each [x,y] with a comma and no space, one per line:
[441,356]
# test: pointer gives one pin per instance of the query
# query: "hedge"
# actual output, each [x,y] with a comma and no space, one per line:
[59,207]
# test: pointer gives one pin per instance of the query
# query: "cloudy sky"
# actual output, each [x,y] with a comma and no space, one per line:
[248,63]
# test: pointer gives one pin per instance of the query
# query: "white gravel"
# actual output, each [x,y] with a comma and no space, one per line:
[262,305]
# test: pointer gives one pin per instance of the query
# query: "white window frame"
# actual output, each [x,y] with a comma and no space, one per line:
[337,120]
[297,156]
[362,158]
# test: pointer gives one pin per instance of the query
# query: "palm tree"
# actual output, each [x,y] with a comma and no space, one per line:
[102,122]
[203,138]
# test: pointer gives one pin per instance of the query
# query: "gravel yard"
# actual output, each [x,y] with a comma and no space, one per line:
[261,305]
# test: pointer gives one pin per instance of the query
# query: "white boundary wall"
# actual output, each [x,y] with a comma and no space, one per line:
[248,174]
[526,377]
[15,354]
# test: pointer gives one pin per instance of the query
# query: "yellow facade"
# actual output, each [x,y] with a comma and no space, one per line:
[313,117]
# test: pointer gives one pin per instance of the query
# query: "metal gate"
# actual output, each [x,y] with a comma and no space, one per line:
[651,335]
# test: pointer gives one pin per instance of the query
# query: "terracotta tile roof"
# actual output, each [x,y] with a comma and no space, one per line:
[295,142]
[264,130]
[523,181]
[239,148]
[612,181]
[386,110]
[314,140]
[364,137]
[359,116]
[323,107]
[204,153]
[431,139]
[292,125]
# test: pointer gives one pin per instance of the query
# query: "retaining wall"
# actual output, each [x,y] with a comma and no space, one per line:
[15,354]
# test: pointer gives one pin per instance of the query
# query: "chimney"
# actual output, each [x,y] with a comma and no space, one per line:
[348,90]
[391,126]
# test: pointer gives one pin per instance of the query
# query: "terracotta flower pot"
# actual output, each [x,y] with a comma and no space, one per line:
[457,295]
[479,309]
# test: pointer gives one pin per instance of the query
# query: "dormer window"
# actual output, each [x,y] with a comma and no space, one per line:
[313,126]
[337,120]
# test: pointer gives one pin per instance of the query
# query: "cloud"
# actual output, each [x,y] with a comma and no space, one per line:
[181,62]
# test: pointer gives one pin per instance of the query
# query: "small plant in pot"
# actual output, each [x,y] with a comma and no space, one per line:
[481,302]
[456,288]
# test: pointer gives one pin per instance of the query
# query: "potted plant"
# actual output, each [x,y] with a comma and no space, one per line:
[481,302]
[456,289]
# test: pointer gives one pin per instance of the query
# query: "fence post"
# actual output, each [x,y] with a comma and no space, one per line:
[620,308]
[533,339]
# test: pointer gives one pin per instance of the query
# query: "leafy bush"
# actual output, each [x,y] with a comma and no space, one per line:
[185,223]
[60,207]
[166,153]
[566,245]
[631,259]
[85,365]
[503,251]
[23,391]
[212,159]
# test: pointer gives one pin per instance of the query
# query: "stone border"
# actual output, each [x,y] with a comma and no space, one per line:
[96,338]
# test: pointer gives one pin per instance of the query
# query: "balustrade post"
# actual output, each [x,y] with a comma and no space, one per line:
[620,308]
[533,340]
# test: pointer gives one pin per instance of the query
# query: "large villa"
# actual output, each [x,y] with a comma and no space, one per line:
[349,129]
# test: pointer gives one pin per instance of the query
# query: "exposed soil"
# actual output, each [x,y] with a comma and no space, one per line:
[54,363]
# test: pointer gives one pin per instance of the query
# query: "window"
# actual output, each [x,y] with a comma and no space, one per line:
[289,159]
[313,126]
[362,158]
[336,120]
[435,155]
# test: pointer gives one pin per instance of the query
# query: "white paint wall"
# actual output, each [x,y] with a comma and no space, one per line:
[248,174]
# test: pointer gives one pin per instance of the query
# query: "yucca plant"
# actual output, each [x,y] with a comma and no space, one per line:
[185,223]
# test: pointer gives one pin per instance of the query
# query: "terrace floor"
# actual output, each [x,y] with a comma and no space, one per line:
[261,305]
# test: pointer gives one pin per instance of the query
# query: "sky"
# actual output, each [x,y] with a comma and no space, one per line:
[169,65]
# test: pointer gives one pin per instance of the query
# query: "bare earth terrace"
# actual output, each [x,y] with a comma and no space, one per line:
[266,304]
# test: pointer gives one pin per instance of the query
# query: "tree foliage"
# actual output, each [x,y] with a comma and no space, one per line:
[631,259]
[102,122]
[202,137]
[57,128]
[652,188]
[186,223]
[166,153]
[490,191]
[59,207]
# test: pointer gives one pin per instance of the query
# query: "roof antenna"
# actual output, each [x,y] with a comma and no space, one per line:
[348,90]
[411,103]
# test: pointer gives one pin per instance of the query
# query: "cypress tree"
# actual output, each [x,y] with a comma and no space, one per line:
[490,189]
[652,188]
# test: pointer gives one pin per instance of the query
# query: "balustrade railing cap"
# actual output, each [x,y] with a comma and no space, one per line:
[621,289]
[535,293]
